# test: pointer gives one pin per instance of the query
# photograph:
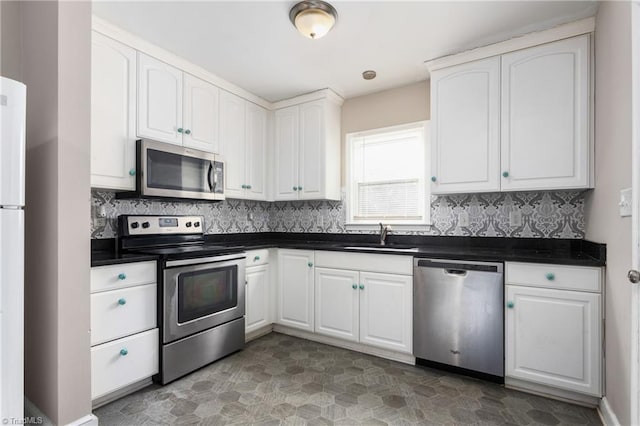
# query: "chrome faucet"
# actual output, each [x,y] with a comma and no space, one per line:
[384,230]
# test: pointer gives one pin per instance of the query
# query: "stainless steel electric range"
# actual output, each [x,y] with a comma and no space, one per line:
[201,296]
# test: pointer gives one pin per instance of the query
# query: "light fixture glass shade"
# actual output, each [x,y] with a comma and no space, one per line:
[313,18]
[314,23]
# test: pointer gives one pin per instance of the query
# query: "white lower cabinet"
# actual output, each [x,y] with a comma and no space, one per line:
[337,303]
[554,335]
[124,333]
[295,289]
[257,291]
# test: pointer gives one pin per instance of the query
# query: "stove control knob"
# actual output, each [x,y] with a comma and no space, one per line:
[197,224]
[188,224]
[145,225]
[134,225]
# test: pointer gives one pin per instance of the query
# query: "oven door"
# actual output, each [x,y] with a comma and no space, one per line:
[177,172]
[202,293]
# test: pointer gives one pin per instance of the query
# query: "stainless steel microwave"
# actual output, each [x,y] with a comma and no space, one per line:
[171,171]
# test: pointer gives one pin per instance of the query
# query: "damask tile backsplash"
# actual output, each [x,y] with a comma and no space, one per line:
[544,214]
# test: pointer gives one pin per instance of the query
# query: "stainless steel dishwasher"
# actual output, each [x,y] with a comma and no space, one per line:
[458,316]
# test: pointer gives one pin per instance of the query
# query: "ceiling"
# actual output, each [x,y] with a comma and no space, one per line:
[253,44]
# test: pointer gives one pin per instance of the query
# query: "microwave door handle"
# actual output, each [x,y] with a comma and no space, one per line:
[209,180]
[215,179]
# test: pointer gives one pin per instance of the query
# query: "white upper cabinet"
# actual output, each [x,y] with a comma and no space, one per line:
[465,120]
[243,140]
[113,114]
[176,107]
[307,157]
[516,122]
[545,116]
[159,100]
[200,114]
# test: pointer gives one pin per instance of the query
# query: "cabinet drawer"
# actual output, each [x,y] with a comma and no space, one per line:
[112,277]
[384,263]
[562,277]
[257,257]
[120,363]
[122,312]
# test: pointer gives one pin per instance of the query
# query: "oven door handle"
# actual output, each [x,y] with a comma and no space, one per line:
[209,180]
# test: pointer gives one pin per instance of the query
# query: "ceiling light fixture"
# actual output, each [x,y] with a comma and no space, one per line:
[313,18]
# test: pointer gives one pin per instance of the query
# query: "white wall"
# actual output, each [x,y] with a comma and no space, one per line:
[613,173]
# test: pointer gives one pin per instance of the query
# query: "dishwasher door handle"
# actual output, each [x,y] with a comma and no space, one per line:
[456,272]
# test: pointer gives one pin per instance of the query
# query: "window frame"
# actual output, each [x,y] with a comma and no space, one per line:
[364,225]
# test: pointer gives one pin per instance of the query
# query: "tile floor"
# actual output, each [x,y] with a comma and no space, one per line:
[279,379]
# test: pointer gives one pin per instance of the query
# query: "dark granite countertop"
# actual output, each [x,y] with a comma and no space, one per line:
[534,250]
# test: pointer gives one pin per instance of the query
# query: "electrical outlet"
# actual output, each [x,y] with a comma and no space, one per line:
[99,221]
[463,219]
[515,218]
[250,216]
[101,212]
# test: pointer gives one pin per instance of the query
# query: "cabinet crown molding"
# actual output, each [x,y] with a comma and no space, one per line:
[571,29]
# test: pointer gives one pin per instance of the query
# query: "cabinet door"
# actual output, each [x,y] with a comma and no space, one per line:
[200,114]
[553,337]
[295,289]
[337,303]
[311,151]
[286,155]
[159,100]
[257,297]
[232,142]
[113,114]
[465,123]
[386,311]
[256,155]
[545,116]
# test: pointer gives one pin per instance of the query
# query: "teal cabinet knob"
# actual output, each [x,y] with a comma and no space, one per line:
[187,132]
[244,186]
[180,130]
[361,286]
[122,301]
[299,188]
[124,352]
[248,186]
[433,179]
[295,188]
[510,305]
[255,259]
[505,174]
[132,172]
[310,264]
[122,276]
[550,276]
[354,286]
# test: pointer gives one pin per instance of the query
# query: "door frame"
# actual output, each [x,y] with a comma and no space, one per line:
[635,233]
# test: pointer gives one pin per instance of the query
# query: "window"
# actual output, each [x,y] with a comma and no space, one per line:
[386,176]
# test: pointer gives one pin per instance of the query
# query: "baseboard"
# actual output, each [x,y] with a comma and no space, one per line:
[357,347]
[31,411]
[110,397]
[88,420]
[607,415]
[553,393]
[253,335]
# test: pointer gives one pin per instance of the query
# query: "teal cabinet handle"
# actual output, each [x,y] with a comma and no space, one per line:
[354,286]
[187,132]
[132,172]
[180,130]
[243,186]
[361,286]
[122,276]
[510,305]
[124,352]
[255,259]
[505,174]
[295,188]
[299,188]
[433,179]
[122,301]
[550,276]
[310,264]
[248,186]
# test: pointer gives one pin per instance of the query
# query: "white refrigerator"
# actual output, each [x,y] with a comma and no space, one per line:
[12,200]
